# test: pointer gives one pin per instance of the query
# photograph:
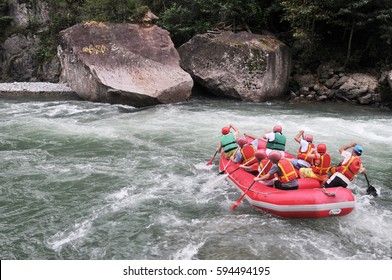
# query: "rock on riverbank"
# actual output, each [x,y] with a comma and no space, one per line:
[128,64]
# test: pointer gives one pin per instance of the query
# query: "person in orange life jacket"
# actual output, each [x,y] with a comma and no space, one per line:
[306,150]
[262,164]
[227,141]
[285,171]
[246,153]
[321,167]
[276,141]
[348,168]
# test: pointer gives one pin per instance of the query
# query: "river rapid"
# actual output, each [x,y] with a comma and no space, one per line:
[82,180]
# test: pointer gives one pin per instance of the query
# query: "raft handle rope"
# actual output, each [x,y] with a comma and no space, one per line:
[329,193]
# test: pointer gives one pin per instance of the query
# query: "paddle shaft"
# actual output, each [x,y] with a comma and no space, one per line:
[234,206]
[224,169]
[212,159]
[367,180]
[246,163]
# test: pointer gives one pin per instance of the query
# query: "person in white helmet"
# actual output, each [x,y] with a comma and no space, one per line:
[284,169]
[276,141]
[306,151]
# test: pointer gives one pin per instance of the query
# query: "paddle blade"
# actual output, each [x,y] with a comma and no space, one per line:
[234,206]
[371,191]
[238,202]
[212,159]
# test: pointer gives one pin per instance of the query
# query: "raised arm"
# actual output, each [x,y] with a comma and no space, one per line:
[236,131]
[298,136]
[342,149]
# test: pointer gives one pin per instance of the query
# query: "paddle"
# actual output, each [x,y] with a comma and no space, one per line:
[212,159]
[224,169]
[245,163]
[238,202]
[370,189]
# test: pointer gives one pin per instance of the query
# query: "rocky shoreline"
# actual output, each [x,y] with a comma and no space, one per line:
[35,89]
[332,83]
[311,90]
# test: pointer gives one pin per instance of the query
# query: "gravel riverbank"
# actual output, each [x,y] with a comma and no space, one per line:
[35,89]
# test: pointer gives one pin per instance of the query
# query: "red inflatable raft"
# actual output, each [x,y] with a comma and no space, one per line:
[309,201]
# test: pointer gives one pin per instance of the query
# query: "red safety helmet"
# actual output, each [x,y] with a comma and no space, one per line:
[321,148]
[260,154]
[309,138]
[225,130]
[274,156]
[241,141]
[277,128]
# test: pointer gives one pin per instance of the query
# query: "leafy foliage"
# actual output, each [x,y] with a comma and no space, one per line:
[353,32]
[5,19]
[113,10]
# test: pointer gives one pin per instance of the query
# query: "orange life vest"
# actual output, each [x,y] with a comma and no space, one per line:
[288,171]
[248,153]
[322,165]
[350,168]
[266,165]
[304,155]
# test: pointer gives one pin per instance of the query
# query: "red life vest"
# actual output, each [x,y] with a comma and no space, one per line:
[248,153]
[350,168]
[322,165]
[304,155]
[266,165]
[288,171]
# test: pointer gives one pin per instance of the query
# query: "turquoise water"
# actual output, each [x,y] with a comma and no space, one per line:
[81,180]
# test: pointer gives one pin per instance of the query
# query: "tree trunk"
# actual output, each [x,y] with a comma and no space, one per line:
[349,44]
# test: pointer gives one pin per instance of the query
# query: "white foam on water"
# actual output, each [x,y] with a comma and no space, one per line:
[150,176]
[62,238]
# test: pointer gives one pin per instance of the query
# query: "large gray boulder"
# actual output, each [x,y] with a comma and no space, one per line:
[242,65]
[122,63]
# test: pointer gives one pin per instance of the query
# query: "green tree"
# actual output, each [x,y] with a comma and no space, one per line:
[113,10]
[5,19]
[303,16]
[352,15]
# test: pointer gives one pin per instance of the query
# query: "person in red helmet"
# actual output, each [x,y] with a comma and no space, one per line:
[261,163]
[321,167]
[228,141]
[246,152]
[276,141]
[285,171]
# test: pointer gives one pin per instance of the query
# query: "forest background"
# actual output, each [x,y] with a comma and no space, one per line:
[357,34]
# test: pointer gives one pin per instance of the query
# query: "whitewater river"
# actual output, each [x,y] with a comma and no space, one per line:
[81,180]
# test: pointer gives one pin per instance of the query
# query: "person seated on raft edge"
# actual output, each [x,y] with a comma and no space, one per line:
[286,174]
[345,172]
[246,152]
[261,167]
[227,141]
[276,141]
[305,156]
[321,167]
